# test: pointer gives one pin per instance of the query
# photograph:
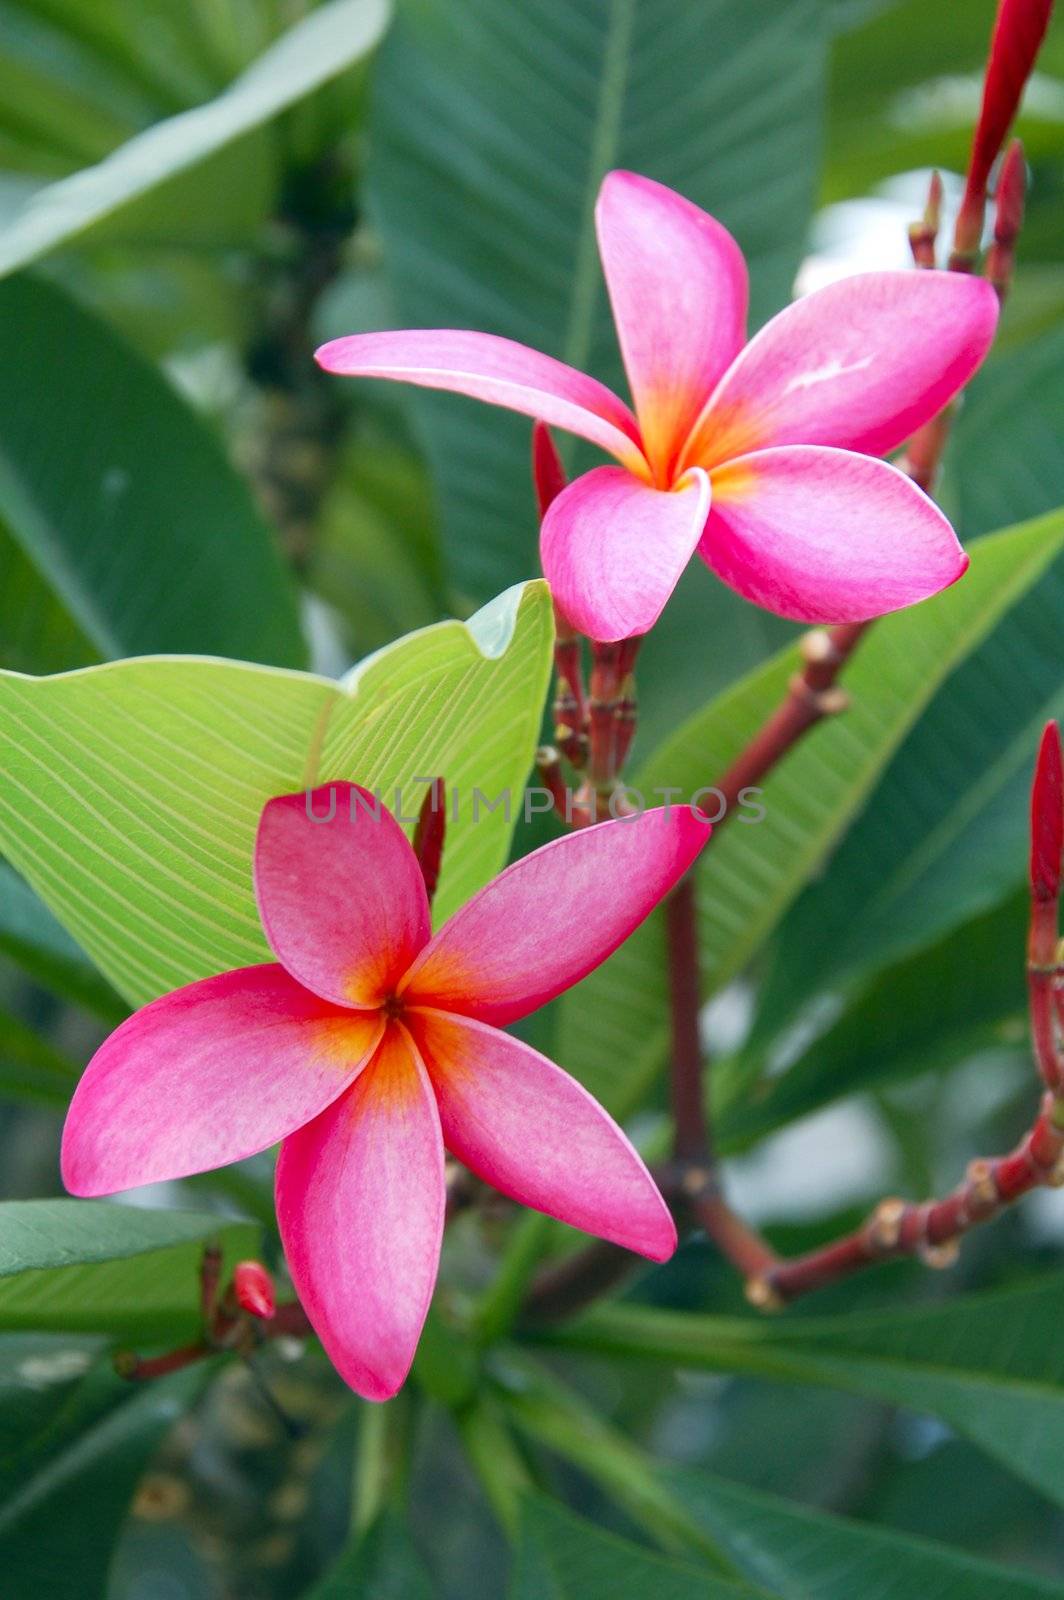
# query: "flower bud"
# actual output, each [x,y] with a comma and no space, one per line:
[1047,817]
[548,474]
[1018,33]
[254,1289]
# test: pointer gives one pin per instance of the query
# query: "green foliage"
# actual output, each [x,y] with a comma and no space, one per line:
[749,876]
[990,1366]
[317,48]
[798,1554]
[138,523]
[67,1479]
[487,157]
[152,775]
[87,1266]
[207,196]
[382,1565]
[561,1557]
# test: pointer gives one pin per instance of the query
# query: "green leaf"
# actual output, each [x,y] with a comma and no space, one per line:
[317,48]
[37,632]
[492,128]
[749,876]
[41,946]
[929,1011]
[382,1565]
[30,1068]
[68,1480]
[800,1554]
[561,1557]
[88,1266]
[945,836]
[123,500]
[131,792]
[990,1365]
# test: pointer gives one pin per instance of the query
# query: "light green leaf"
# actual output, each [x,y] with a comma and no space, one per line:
[68,1479]
[800,1554]
[562,1557]
[317,48]
[123,500]
[990,1366]
[613,1024]
[131,792]
[91,1266]
[492,128]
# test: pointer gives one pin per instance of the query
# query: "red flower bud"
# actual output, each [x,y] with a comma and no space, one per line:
[429,833]
[254,1289]
[548,474]
[1018,33]
[1047,817]
[1009,196]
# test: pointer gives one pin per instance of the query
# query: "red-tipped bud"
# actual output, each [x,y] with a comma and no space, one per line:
[548,474]
[254,1289]
[1047,817]
[1009,197]
[429,834]
[1018,33]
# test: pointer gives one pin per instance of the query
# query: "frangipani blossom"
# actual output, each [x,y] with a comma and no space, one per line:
[758,457]
[370,1046]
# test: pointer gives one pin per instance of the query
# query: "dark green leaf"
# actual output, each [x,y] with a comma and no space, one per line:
[123,500]
[382,1565]
[927,1012]
[561,1557]
[613,1024]
[800,1554]
[91,1266]
[69,1479]
[991,1366]
[30,935]
[493,126]
[30,1068]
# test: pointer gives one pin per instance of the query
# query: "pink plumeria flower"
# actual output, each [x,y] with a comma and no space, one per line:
[372,1045]
[759,458]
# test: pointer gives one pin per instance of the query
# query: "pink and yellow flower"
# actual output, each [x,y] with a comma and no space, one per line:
[370,1046]
[759,456]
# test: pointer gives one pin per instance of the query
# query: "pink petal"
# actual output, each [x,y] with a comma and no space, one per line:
[826,535]
[613,548]
[360,1204]
[677,283]
[534,1133]
[207,1075]
[552,917]
[340,893]
[497,370]
[859,364]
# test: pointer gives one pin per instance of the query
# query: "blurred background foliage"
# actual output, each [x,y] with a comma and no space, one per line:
[192,196]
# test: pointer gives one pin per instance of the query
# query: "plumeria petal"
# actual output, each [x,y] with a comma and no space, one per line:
[859,364]
[826,535]
[534,1133]
[207,1075]
[360,1205]
[613,548]
[498,370]
[678,287]
[340,892]
[553,916]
